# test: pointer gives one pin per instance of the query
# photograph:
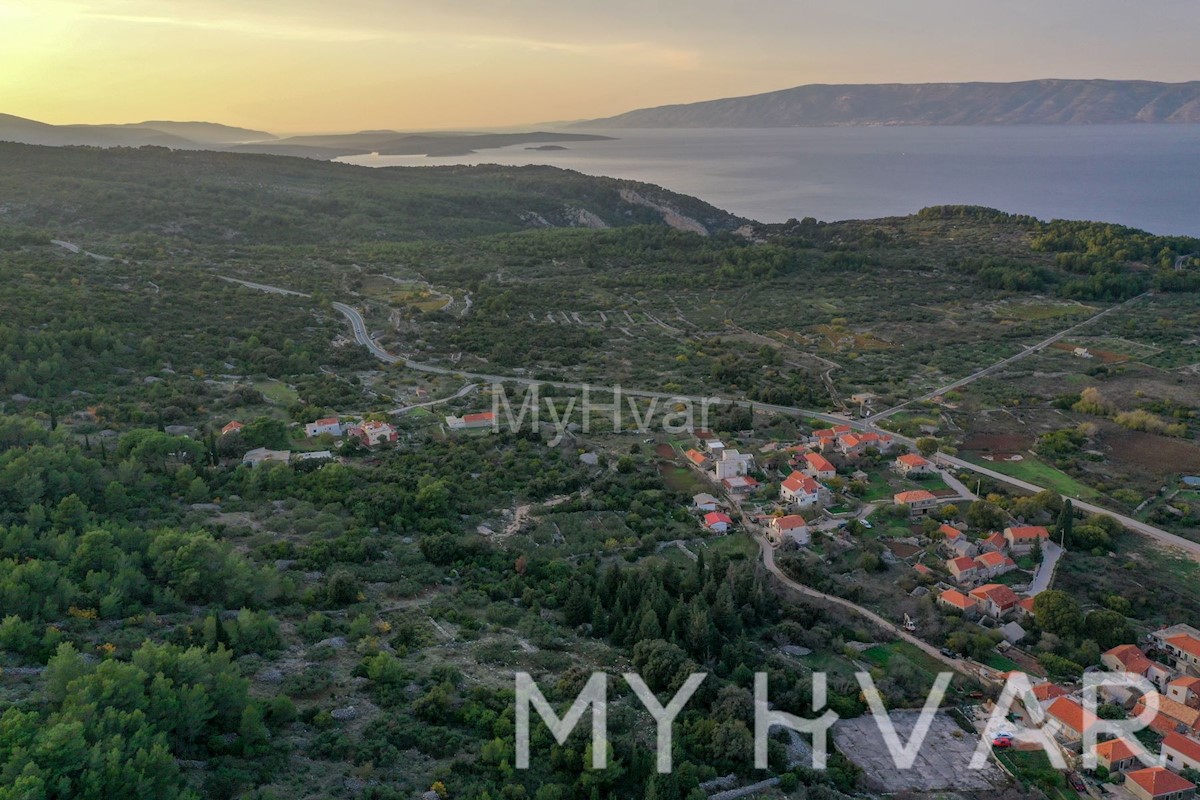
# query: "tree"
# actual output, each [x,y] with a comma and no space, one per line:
[1058,613]
[1066,521]
[927,446]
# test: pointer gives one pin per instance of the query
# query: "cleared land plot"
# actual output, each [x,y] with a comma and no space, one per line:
[942,762]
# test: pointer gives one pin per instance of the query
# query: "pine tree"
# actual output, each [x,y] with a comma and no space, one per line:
[1066,522]
[648,627]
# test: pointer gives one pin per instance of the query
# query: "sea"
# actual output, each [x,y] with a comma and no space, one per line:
[1145,176]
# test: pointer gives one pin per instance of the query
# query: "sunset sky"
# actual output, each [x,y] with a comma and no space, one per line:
[314,65]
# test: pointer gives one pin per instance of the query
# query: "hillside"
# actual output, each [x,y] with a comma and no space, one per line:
[204,196]
[1043,102]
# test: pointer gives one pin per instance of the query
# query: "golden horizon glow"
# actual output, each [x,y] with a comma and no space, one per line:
[307,66]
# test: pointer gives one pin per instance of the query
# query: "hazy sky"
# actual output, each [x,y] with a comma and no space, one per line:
[319,65]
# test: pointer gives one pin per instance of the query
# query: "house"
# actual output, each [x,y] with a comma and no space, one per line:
[949,532]
[696,458]
[718,522]
[1181,643]
[1181,752]
[920,502]
[1171,716]
[1021,540]
[329,425]
[372,433]
[705,502]
[714,446]
[261,455]
[1025,606]
[817,466]
[800,490]
[791,527]
[995,543]
[732,464]
[1074,718]
[1116,755]
[826,438]
[740,486]
[962,569]
[231,427]
[962,546]
[1127,658]
[1012,632]
[1158,783]
[952,598]
[911,464]
[482,419]
[1186,690]
[992,565]
[855,444]
[922,570]
[996,599]
[1047,693]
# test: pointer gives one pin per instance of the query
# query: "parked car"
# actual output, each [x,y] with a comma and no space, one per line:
[1076,782]
[948,653]
[1001,744]
[866,523]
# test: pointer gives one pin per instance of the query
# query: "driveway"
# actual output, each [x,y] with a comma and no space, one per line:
[1051,553]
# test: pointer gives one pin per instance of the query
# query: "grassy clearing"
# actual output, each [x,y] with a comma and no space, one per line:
[277,393]
[1000,663]
[1032,312]
[1033,768]
[1035,471]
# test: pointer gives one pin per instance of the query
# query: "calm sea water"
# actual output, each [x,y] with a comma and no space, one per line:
[1147,176]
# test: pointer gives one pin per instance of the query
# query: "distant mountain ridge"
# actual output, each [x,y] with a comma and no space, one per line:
[213,136]
[1041,102]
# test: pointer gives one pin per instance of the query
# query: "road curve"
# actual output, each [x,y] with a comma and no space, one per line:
[767,553]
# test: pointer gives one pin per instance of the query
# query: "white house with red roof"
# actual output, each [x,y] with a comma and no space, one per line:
[994,542]
[1128,658]
[953,598]
[1181,643]
[791,527]
[1117,755]
[696,458]
[1181,752]
[818,467]
[231,427]
[1074,718]
[1158,783]
[329,425]
[1185,689]
[1022,539]
[481,419]
[913,464]
[718,522]
[800,490]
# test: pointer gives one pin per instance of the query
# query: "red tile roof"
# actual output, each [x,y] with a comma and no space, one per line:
[695,456]
[1003,597]
[1187,682]
[1186,746]
[1114,751]
[992,560]
[790,522]
[950,532]
[914,496]
[482,416]
[818,462]
[912,460]
[1133,659]
[231,427]
[957,599]
[1049,691]
[1185,643]
[715,518]
[327,421]
[961,564]
[798,481]
[997,541]
[1024,533]
[1159,781]
[1071,714]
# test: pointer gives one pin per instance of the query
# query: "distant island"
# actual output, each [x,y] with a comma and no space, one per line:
[548,147]
[1041,102]
[212,136]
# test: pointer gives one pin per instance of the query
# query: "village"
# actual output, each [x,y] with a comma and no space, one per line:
[829,491]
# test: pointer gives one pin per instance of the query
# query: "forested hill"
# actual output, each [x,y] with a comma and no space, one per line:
[1043,102]
[213,197]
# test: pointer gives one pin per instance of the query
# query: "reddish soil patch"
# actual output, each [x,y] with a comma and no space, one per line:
[999,443]
[1103,356]
[1160,455]
[903,550]
[944,493]
[664,451]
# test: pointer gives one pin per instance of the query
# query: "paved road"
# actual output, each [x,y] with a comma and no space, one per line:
[262,287]
[1186,546]
[999,365]
[1051,553]
[463,392]
[768,557]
